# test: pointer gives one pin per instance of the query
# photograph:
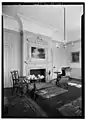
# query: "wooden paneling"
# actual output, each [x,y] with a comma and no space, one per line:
[12,54]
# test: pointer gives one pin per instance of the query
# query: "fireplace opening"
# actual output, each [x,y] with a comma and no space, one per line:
[37,72]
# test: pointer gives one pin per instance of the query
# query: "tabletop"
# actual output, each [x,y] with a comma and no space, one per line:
[57,72]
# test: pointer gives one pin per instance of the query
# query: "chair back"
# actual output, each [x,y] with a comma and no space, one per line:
[15,76]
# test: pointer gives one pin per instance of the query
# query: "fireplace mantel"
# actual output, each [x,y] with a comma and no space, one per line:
[29,63]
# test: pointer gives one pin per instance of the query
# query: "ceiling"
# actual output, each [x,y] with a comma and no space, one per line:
[50,15]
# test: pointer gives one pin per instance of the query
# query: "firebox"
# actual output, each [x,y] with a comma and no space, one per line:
[37,72]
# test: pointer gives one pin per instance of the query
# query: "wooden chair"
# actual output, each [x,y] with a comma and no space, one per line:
[62,79]
[18,82]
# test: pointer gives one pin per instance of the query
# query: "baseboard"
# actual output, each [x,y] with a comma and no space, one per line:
[7,91]
[75,79]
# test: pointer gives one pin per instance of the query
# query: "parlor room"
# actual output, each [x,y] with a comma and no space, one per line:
[42,60]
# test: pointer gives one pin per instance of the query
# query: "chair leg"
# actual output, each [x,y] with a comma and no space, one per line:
[24,89]
[34,96]
[21,91]
[17,89]
[57,82]
[12,90]
[27,89]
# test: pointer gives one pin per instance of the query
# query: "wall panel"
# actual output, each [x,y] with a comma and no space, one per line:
[12,54]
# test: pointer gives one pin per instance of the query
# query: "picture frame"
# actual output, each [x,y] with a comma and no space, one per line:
[38,53]
[75,57]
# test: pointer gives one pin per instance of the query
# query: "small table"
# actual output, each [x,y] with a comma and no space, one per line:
[57,81]
[34,81]
[34,86]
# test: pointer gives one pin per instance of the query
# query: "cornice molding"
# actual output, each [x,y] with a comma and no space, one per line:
[5,15]
[9,30]
[29,25]
[42,28]
[55,41]
[74,41]
[14,23]
[35,21]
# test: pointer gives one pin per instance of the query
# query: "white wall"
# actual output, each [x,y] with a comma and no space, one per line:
[74,34]
[75,48]
[34,26]
[59,58]
[62,58]
[10,23]
[12,55]
[76,67]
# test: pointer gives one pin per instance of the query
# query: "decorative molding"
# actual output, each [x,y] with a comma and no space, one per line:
[75,41]
[31,35]
[8,45]
[5,15]
[37,41]
[11,31]
[57,41]
[10,23]
[36,22]
[34,26]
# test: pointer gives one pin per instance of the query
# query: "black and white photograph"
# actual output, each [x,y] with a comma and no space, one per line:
[43,60]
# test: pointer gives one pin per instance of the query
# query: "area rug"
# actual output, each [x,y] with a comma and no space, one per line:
[74,108]
[51,92]
[24,107]
[40,85]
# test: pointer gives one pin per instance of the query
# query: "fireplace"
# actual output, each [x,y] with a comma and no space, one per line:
[37,72]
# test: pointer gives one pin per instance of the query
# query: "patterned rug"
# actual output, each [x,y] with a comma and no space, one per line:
[51,92]
[40,85]
[73,108]
[23,107]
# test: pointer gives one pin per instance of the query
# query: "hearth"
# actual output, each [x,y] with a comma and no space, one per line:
[37,72]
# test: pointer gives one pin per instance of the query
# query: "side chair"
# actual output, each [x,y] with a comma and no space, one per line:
[19,83]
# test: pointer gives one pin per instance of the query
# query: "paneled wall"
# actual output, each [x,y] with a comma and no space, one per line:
[12,54]
[76,67]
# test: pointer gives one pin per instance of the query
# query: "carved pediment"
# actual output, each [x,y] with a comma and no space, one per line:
[37,40]
[41,41]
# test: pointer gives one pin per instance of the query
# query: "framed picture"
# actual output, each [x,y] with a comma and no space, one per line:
[75,57]
[37,53]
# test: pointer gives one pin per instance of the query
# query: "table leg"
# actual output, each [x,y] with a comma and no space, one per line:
[57,81]
[34,86]
[34,91]
[27,88]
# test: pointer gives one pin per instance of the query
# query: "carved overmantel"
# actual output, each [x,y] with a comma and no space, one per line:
[35,40]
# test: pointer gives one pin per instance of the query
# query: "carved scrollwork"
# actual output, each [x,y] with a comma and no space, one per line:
[37,41]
